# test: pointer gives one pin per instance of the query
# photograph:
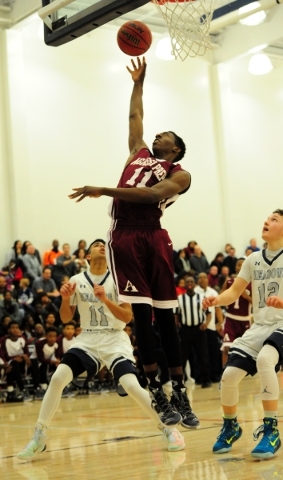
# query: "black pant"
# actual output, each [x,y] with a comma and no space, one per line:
[215,354]
[195,340]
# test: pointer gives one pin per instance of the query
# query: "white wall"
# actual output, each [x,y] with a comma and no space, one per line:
[68,111]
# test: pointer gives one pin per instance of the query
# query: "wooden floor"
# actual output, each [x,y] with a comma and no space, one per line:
[107,437]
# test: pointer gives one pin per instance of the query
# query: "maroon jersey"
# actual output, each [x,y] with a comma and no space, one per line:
[241,308]
[144,171]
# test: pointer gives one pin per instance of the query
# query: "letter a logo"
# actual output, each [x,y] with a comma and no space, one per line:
[130,287]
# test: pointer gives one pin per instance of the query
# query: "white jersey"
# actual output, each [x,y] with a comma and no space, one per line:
[94,315]
[264,269]
[206,293]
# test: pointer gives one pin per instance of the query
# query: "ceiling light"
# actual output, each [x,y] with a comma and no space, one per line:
[260,64]
[255,18]
[164,49]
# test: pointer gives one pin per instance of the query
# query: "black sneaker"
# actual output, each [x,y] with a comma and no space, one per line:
[14,397]
[181,403]
[160,403]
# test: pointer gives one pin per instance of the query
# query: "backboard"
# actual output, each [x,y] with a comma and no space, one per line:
[66,20]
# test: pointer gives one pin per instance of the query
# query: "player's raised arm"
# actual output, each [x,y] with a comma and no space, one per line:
[228,296]
[136,106]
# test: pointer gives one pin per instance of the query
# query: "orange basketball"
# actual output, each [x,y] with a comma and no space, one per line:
[134,38]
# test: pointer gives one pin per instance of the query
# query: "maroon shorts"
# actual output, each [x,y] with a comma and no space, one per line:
[141,262]
[234,329]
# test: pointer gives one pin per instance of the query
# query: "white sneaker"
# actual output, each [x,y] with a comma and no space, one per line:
[35,446]
[175,440]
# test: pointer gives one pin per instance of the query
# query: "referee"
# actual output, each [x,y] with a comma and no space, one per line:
[193,324]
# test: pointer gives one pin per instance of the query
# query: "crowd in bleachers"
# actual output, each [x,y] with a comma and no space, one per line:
[32,336]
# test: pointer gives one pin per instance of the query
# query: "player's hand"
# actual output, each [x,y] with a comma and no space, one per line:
[139,69]
[99,292]
[275,302]
[67,290]
[82,192]
[209,302]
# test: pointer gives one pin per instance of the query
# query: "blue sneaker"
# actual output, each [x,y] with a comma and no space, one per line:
[230,432]
[270,441]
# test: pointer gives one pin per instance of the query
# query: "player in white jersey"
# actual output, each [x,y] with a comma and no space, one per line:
[261,347]
[102,342]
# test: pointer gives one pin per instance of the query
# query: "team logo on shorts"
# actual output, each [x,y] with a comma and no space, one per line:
[130,287]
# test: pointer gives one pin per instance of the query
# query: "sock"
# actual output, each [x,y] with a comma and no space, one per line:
[229,416]
[177,382]
[153,379]
[270,414]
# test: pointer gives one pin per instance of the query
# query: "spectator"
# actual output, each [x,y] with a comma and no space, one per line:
[66,340]
[15,351]
[27,328]
[81,261]
[253,245]
[224,274]
[25,296]
[3,287]
[45,350]
[65,265]
[190,249]
[199,261]
[45,284]
[213,278]
[230,261]
[14,253]
[227,248]
[248,251]
[181,263]
[81,244]
[218,261]
[36,252]
[33,268]
[180,285]
[13,274]
[10,307]
[50,256]
[4,322]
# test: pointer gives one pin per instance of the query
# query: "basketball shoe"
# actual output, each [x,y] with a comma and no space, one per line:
[230,432]
[181,403]
[270,441]
[175,440]
[35,446]
[162,406]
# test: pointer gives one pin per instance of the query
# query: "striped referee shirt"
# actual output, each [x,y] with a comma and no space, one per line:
[190,309]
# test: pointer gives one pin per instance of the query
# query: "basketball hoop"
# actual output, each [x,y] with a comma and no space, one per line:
[188,23]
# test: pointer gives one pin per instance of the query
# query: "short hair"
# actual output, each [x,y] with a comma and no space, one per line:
[46,268]
[97,240]
[179,142]
[12,322]
[71,322]
[51,329]
[279,211]
[25,281]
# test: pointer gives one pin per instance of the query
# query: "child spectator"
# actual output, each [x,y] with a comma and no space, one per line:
[66,340]
[25,296]
[45,350]
[27,328]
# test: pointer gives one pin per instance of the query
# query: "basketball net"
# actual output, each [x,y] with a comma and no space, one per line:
[188,23]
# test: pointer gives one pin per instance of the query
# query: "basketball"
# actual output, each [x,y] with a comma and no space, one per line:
[134,38]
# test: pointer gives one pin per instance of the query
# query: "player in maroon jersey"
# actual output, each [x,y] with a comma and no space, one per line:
[237,316]
[140,252]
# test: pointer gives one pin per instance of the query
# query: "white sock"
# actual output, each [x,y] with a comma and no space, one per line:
[131,385]
[50,403]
